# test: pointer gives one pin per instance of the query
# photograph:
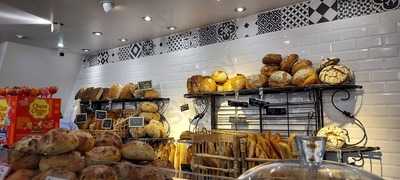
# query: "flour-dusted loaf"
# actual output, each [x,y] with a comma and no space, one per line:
[219,76]
[103,155]
[57,141]
[305,77]
[28,144]
[267,70]
[300,64]
[150,116]
[137,132]
[155,129]
[108,139]
[335,74]
[106,95]
[20,160]
[328,62]
[272,58]
[22,174]
[72,161]
[208,85]
[288,62]
[256,81]
[127,171]
[138,151]
[95,94]
[279,79]
[148,107]
[98,172]
[56,173]
[86,140]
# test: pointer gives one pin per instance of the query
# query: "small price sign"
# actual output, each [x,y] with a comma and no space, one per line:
[136,122]
[184,107]
[81,118]
[145,85]
[54,178]
[100,115]
[4,170]
[107,123]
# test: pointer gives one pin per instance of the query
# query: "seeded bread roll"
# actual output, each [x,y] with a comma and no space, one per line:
[56,173]
[98,172]
[287,63]
[28,144]
[103,155]
[305,77]
[220,77]
[57,141]
[300,64]
[238,82]
[20,160]
[86,140]
[335,74]
[256,81]
[270,59]
[267,70]
[138,151]
[280,79]
[22,174]
[108,139]
[148,107]
[208,85]
[72,161]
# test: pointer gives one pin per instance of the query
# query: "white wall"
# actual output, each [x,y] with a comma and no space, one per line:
[368,44]
[39,67]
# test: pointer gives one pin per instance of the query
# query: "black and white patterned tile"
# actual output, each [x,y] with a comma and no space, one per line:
[135,50]
[103,57]
[208,35]
[226,31]
[246,26]
[147,48]
[354,8]
[270,21]
[182,41]
[386,5]
[123,53]
[296,15]
[321,11]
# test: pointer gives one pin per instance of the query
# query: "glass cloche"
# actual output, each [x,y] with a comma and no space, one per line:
[309,167]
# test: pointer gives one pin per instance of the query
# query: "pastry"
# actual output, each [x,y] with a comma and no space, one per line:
[238,82]
[22,174]
[28,144]
[300,64]
[138,151]
[228,86]
[108,139]
[219,76]
[57,141]
[19,160]
[150,116]
[335,74]
[151,94]
[287,63]
[115,91]
[305,77]
[267,70]
[86,140]
[148,107]
[256,81]
[208,85]
[137,132]
[194,83]
[98,172]
[56,173]
[155,129]
[328,62]
[128,91]
[279,79]
[72,161]
[270,59]
[103,155]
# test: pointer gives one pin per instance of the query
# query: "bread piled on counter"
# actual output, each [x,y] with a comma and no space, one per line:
[277,71]
[73,155]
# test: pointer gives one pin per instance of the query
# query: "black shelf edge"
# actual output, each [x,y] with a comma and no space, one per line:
[277,90]
[128,100]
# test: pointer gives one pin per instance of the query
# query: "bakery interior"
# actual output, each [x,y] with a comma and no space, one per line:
[190,89]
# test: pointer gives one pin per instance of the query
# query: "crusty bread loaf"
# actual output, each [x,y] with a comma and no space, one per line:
[57,141]
[193,84]
[115,91]
[128,91]
[335,74]
[328,62]
[256,81]
[20,160]
[98,172]
[103,155]
[106,95]
[300,64]
[86,140]
[287,63]
[305,77]
[219,76]
[22,174]
[238,82]
[108,139]
[137,132]
[56,173]
[151,94]
[72,161]
[279,79]
[148,107]
[95,94]
[150,116]
[155,129]
[79,94]
[228,86]
[28,144]
[272,58]
[267,70]
[208,85]
[137,150]
[127,171]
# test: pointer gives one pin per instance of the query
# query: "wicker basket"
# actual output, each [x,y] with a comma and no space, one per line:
[120,128]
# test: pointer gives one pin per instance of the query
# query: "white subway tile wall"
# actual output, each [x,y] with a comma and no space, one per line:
[368,44]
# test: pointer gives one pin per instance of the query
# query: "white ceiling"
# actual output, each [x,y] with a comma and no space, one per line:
[82,17]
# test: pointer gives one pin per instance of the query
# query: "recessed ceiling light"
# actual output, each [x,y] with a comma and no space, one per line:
[19,36]
[123,39]
[171,28]
[240,9]
[60,45]
[85,50]
[97,33]
[147,18]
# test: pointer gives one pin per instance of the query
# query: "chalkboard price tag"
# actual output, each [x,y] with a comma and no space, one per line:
[54,178]
[107,123]
[4,170]
[145,85]
[136,122]
[184,107]
[100,115]
[81,118]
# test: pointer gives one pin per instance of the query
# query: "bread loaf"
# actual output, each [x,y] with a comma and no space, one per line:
[22,174]
[219,76]
[328,62]
[56,173]
[300,64]
[98,172]
[208,85]
[137,132]
[280,79]
[155,129]
[95,94]
[305,77]
[256,81]
[86,140]
[80,93]
[151,94]
[72,161]
[85,96]
[148,107]
[106,95]
[194,83]
[238,82]
[220,88]
[272,58]
[138,151]
[115,91]
[57,141]
[288,62]
[267,70]
[335,74]
[108,139]
[228,86]
[20,160]
[128,91]
[150,116]
[103,155]
[28,144]
[127,171]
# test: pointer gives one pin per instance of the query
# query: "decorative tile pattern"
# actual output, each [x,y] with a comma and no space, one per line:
[388,4]
[270,21]
[123,53]
[135,50]
[226,31]
[208,35]
[103,57]
[321,11]
[147,48]
[181,41]
[295,16]
[353,8]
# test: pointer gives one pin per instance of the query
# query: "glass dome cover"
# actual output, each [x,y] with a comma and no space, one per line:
[309,167]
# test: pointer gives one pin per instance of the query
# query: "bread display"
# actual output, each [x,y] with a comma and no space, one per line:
[22,174]
[128,91]
[150,116]
[208,85]
[238,82]
[103,155]
[256,81]
[151,94]
[335,136]
[72,161]
[305,77]
[94,94]
[115,91]
[328,62]
[271,58]
[57,141]
[219,76]
[288,62]
[335,74]
[86,140]
[267,70]
[137,132]
[108,139]
[28,144]
[300,64]
[98,172]
[138,151]
[155,129]
[279,79]
[148,107]
[227,86]
[80,93]
[194,83]
[20,160]
[56,173]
